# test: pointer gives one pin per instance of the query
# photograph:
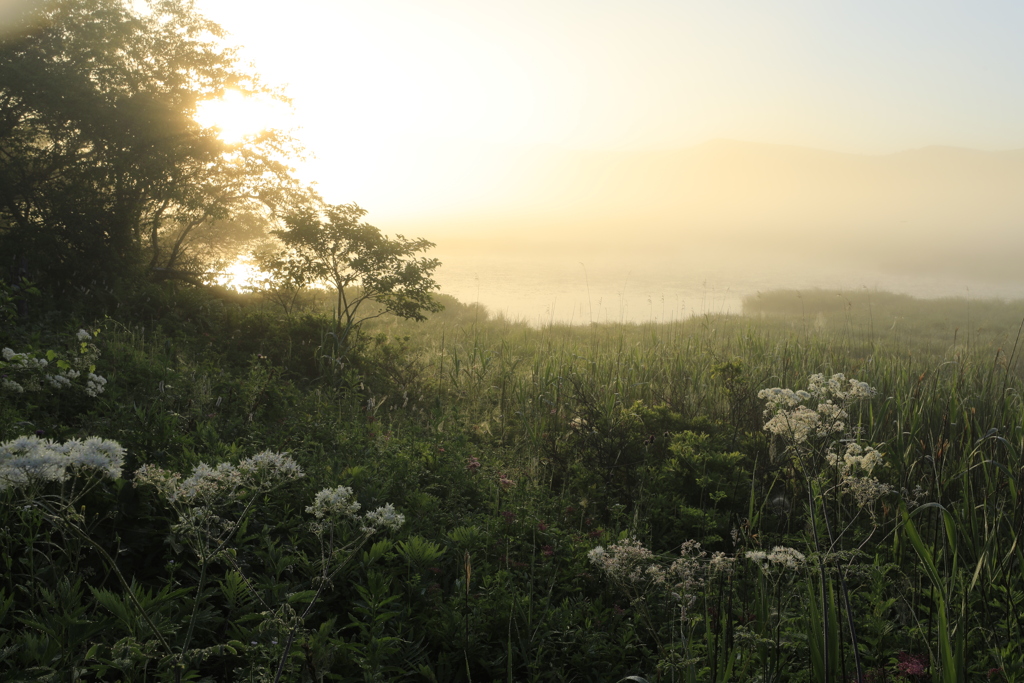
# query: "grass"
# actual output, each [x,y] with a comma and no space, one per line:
[582,436]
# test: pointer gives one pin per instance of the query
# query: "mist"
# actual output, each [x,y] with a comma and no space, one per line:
[635,236]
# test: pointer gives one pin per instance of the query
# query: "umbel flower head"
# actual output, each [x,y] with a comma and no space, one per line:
[335,504]
[780,556]
[32,460]
[383,518]
[787,414]
[209,485]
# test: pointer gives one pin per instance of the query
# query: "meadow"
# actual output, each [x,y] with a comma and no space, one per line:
[201,487]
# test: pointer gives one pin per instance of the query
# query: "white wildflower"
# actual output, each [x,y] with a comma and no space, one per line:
[655,573]
[625,560]
[787,557]
[165,482]
[101,454]
[35,468]
[271,463]
[797,424]
[331,502]
[11,385]
[384,517]
[58,381]
[208,485]
[866,490]
[8,354]
[30,459]
[831,413]
[777,398]
[758,556]
[780,556]
[721,563]
[205,485]
[83,335]
[861,389]
[94,385]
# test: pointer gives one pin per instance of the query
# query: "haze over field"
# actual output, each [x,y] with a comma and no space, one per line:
[581,160]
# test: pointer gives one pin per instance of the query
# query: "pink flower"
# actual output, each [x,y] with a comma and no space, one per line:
[912,665]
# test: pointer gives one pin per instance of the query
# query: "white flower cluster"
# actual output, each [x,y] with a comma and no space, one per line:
[788,415]
[630,561]
[866,491]
[269,463]
[336,502]
[798,424]
[854,468]
[777,397]
[331,505]
[383,518]
[856,459]
[780,556]
[639,571]
[721,563]
[838,388]
[210,486]
[625,560]
[30,459]
[24,367]
[21,372]
[11,386]
[59,381]
[94,385]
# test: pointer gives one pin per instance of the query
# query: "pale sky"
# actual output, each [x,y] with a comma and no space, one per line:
[538,125]
[402,99]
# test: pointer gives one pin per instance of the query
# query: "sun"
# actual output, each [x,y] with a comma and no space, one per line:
[237,115]
[241,275]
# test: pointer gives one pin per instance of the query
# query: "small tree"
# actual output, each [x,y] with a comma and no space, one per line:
[328,245]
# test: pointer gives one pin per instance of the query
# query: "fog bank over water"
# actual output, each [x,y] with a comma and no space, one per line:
[638,236]
[664,285]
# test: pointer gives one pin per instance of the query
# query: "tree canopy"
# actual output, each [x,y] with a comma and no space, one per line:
[103,166]
[330,245]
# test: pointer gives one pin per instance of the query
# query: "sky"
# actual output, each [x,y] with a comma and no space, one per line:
[459,119]
[382,88]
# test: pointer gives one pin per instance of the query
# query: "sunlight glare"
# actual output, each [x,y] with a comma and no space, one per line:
[240,275]
[237,115]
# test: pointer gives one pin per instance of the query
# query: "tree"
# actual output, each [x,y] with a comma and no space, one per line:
[103,167]
[328,245]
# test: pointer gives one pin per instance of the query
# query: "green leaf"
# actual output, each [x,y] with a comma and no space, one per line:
[301,596]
